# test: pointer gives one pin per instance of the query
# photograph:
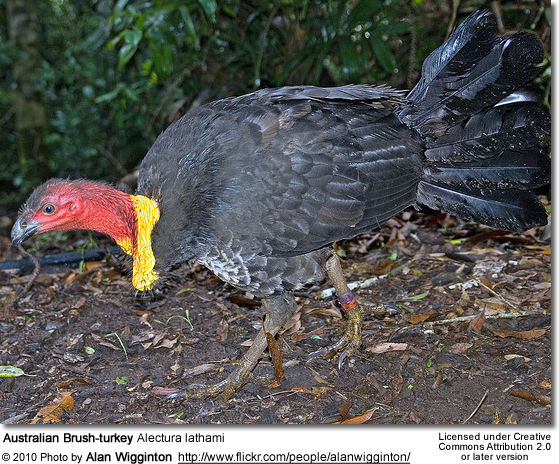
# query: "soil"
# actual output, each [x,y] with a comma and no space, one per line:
[457,328]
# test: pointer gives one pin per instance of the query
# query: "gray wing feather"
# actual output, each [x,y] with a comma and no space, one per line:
[287,170]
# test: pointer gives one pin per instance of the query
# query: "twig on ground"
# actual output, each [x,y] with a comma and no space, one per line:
[429,325]
[494,293]
[14,419]
[477,407]
[475,282]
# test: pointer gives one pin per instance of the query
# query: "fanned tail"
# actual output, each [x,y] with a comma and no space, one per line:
[487,138]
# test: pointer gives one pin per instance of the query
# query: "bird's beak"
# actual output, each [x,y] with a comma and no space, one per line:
[22,230]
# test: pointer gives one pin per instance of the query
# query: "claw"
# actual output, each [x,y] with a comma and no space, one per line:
[341,359]
[224,389]
[348,343]
[318,353]
[278,309]
[173,396]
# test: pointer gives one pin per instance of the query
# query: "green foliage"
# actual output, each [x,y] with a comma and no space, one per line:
[122,380]
[10,371]
[115,73]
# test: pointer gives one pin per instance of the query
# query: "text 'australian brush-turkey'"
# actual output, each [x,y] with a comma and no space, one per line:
[257,187]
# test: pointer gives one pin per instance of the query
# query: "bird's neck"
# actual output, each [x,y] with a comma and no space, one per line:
[129,220]
[111,212]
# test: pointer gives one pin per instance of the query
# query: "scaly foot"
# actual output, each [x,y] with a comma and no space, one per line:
[351,339]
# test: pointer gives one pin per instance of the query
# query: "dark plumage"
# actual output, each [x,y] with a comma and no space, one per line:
[256,187]
[265,181]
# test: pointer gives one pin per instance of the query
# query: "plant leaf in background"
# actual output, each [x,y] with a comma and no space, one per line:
[162,58]
[350,59]
[363,12]
[131,41]
[210,8]
[189,27]
[383,54]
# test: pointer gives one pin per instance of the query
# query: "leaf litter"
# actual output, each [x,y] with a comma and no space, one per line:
[450,283]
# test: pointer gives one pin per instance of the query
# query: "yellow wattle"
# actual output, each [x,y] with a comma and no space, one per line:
[147,214]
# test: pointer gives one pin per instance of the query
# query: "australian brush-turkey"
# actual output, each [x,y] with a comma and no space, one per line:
[257,187]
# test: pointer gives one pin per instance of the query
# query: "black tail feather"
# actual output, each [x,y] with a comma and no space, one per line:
[523,170]
[517,126]
[514,210]
[487,139]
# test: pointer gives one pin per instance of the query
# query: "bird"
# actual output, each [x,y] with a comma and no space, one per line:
[258,187]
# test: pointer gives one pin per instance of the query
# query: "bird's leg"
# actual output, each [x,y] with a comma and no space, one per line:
[277,310]
[351,339]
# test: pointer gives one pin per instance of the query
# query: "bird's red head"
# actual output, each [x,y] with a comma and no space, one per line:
[63,205]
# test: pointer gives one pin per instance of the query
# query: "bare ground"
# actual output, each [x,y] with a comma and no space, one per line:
[422,360]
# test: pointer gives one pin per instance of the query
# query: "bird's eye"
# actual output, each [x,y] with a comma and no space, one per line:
[49,209]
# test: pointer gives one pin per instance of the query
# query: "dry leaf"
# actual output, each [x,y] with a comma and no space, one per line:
[512,356]
[330,311]
[63,383]
[492,305]
[477,322]
[78,304]
[316,391]
[497,419]
[175,367]
[275,354]
[545,384]
[526,335]
[460,348]
[344,408]
[201,369]
[89,265]
[542,285]
[298,336]
[540,399]
[52,412]
[141,312]
[109,345]
[222,330]
[168,343]
[293,324]
[157,338]
[388,346]
[164,391]
[241,300]
[396,385]
[321,379]
[536,297]
[419,318]
[358,419]
[437,382]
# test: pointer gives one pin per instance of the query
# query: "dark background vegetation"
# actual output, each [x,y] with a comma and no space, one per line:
[86,86]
